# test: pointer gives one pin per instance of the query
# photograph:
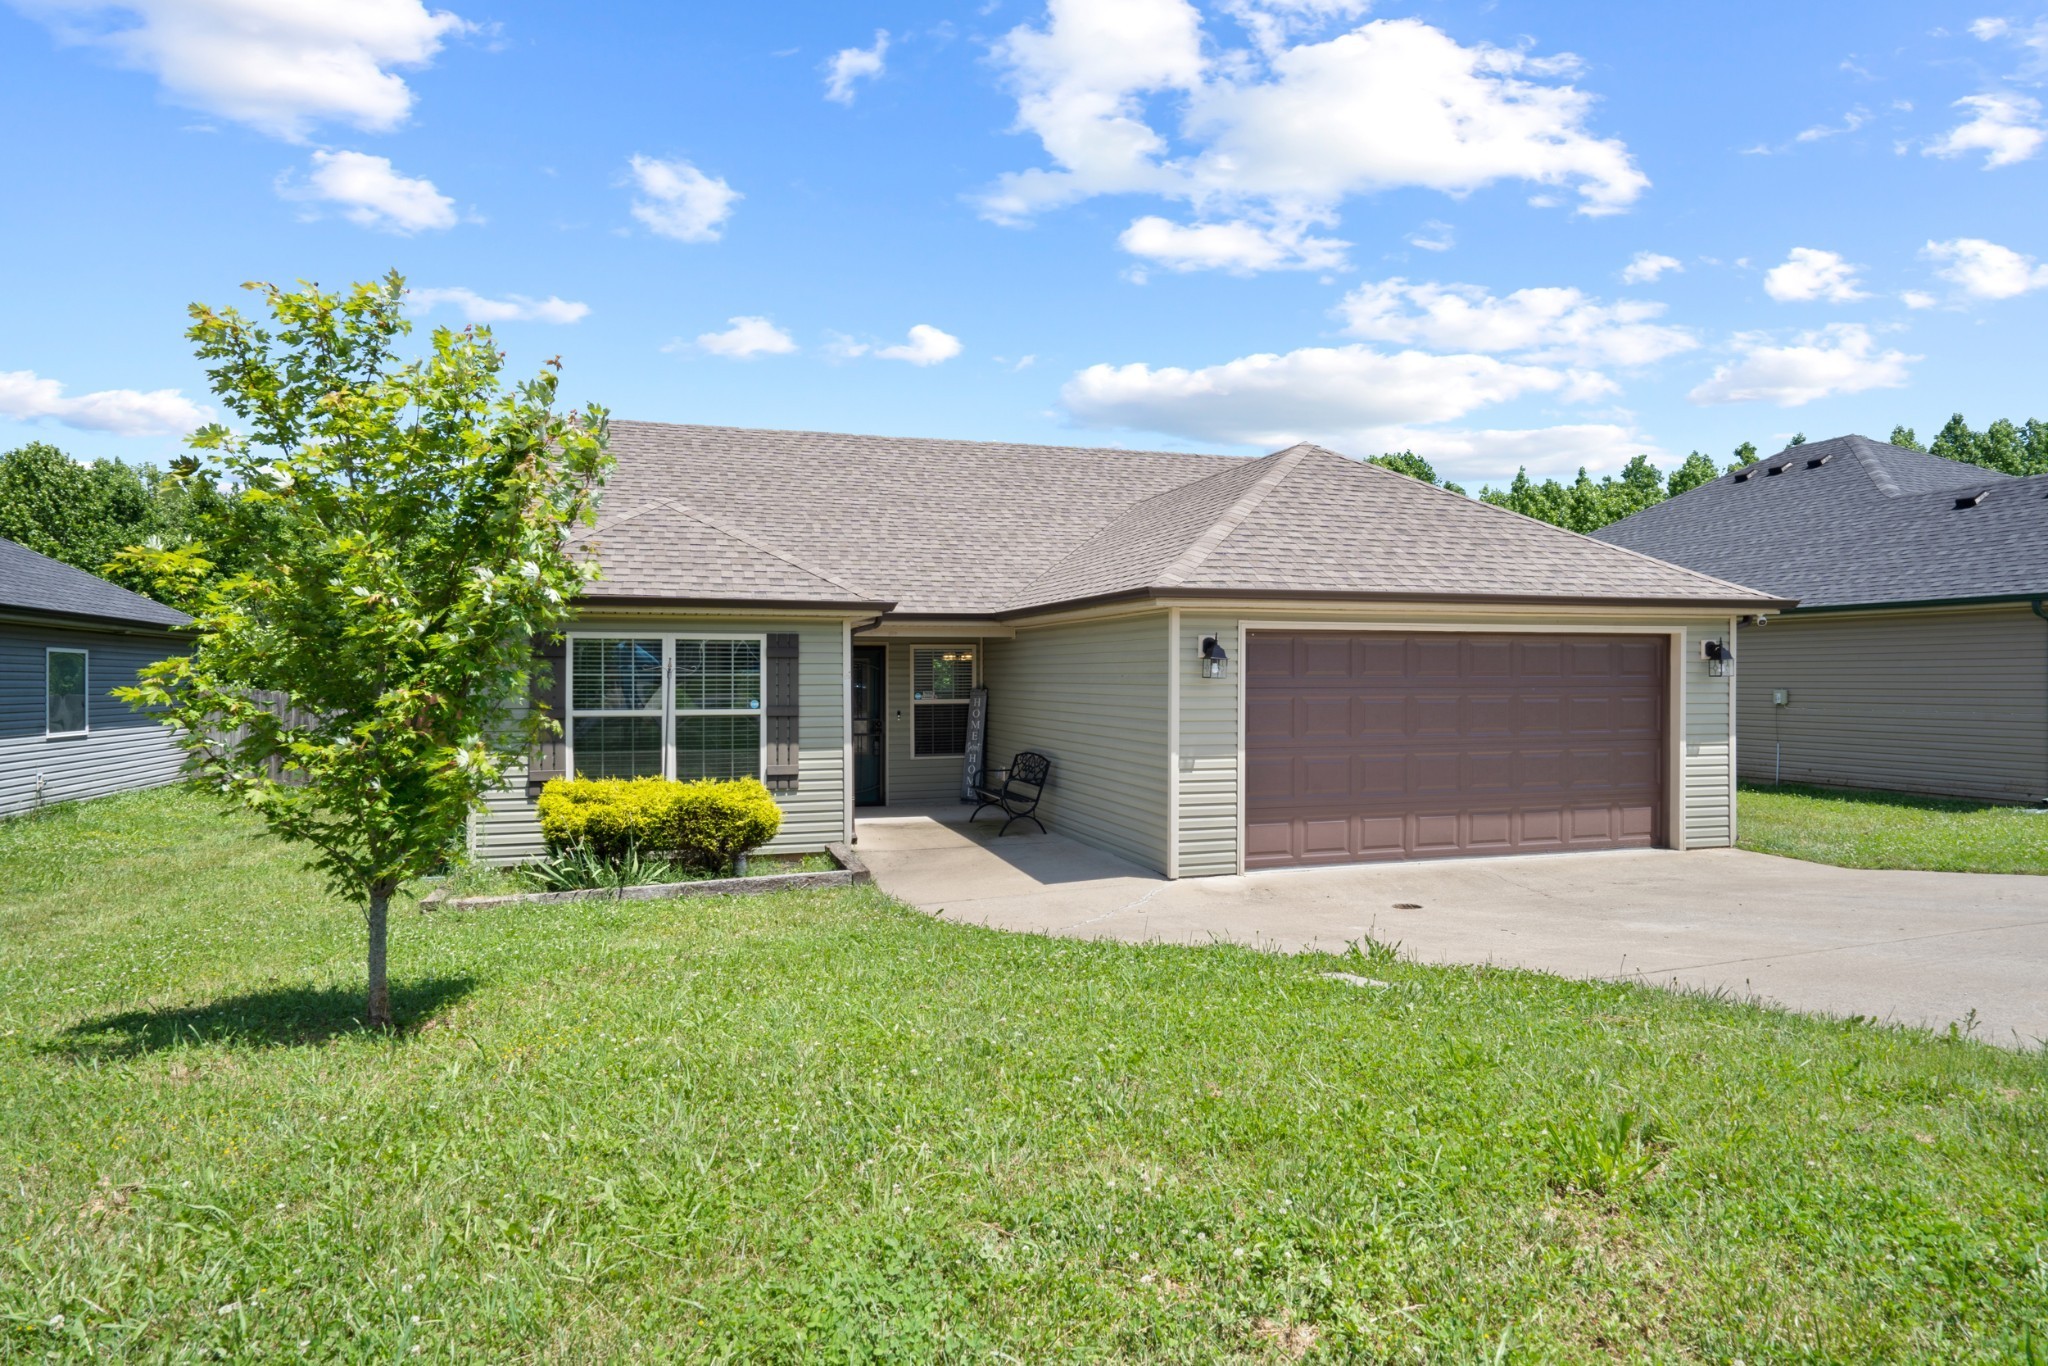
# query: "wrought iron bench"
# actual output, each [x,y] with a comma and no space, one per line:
[1016,794]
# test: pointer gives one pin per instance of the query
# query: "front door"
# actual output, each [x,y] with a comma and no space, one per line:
[869,663]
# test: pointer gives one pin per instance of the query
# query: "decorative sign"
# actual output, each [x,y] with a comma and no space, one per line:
[977,743]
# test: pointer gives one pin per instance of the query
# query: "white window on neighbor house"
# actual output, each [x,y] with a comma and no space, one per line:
[64,684]
[941,686]
[625,722]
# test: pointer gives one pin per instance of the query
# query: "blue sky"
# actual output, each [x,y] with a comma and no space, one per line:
[1507,233]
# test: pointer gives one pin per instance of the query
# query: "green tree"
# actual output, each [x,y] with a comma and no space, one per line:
[1798,439]
[75,512]
[1696,470]
[1955,441]
[1903,436]
[1412,465]
[1745,454]
[409,541]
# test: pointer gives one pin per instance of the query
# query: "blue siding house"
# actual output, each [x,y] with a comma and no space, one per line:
[67,640]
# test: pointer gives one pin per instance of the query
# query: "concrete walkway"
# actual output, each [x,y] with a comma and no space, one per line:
[1915,948]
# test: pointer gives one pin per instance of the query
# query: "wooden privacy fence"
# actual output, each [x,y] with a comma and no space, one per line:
[222,743]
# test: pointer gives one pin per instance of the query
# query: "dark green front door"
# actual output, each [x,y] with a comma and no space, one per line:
[869,662]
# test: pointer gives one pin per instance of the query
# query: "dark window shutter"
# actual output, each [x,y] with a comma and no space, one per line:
[546,693]
[782,713]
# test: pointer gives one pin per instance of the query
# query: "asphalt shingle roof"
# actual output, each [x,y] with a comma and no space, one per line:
[1872,523]
[36,583]
[978,528]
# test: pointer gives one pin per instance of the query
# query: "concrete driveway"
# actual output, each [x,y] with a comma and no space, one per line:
[1915,948]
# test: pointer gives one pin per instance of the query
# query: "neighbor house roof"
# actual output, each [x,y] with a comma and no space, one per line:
[1855,522]
[35,583]
[968,528]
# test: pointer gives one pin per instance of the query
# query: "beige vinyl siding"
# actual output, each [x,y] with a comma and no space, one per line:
[122,749]
[1208,748]
[1708,816]
[906,779]
[1092,697]
[812,816]
[1950,701]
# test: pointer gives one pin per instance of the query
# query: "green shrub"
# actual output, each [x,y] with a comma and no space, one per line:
[702,824]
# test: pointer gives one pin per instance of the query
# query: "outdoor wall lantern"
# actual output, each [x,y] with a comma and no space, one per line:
[1720,657]
[1213,658]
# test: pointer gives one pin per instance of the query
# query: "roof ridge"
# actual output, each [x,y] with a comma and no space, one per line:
[726,529]
[1204,545]
[1859,447]
[1467,498]
[932,440]
[745,538]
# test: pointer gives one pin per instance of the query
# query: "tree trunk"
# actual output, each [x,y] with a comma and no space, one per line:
[379,1013]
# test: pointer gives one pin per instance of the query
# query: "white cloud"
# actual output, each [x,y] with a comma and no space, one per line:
[1473,455]
[927,346]
[1985,270]
[677,200]
[27,397]
[371,194]
[1917,298]
[276,65]
[746,337]
[1808,274]
[513,308]
[2006,127]
[1270,400]
[1434,236]
[1842,358]
[2030,39]
[1283,134]
[1240,247]
[852,64]
[1555,325]
[1646,266]
[1851,121]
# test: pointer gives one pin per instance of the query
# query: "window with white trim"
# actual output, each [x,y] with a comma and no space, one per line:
[941,687]
[628,720]
[64,692]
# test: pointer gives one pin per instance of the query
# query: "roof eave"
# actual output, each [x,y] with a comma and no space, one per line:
[684,604]
[1905,604]
[88,621]
[1743,604]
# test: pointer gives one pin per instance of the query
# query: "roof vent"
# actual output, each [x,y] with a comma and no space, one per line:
[1742,476]
[1779,469]
[1970,500]
[1818,461]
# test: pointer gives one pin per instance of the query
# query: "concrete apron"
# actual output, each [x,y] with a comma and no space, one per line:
[1912,948]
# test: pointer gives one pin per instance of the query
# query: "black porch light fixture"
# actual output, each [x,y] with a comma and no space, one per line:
[1213,657]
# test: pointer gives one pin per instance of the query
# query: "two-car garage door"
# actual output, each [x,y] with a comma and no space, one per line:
[1379,745]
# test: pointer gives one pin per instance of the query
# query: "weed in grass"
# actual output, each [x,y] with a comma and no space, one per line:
[1611,1155]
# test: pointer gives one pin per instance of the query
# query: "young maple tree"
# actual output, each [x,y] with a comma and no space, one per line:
[361,683]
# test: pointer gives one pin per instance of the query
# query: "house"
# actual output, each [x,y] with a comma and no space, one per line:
[67,640]
[1400,672]
[1917,659]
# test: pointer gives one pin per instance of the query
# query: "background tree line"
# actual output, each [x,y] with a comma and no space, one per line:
[134,524]
[1587,505]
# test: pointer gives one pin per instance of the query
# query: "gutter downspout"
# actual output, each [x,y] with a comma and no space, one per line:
[2040,606]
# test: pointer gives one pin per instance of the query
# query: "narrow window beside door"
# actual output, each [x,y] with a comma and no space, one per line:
[64,674]
[941,689]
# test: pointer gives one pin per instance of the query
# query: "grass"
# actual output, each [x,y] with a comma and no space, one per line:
[820,1125]
[1891,830]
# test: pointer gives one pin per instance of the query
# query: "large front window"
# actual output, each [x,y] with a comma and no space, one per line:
[941,687]
[624,723]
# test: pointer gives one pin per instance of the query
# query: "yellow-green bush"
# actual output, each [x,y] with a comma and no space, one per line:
[704,824]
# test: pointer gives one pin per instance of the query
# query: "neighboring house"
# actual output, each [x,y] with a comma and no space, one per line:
[1917,659]
[1407,673]
[67,640]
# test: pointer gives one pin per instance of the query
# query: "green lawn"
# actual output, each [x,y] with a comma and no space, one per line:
[1892,830]
[822,1126]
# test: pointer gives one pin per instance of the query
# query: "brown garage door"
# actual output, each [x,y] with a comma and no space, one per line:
[1374,745]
